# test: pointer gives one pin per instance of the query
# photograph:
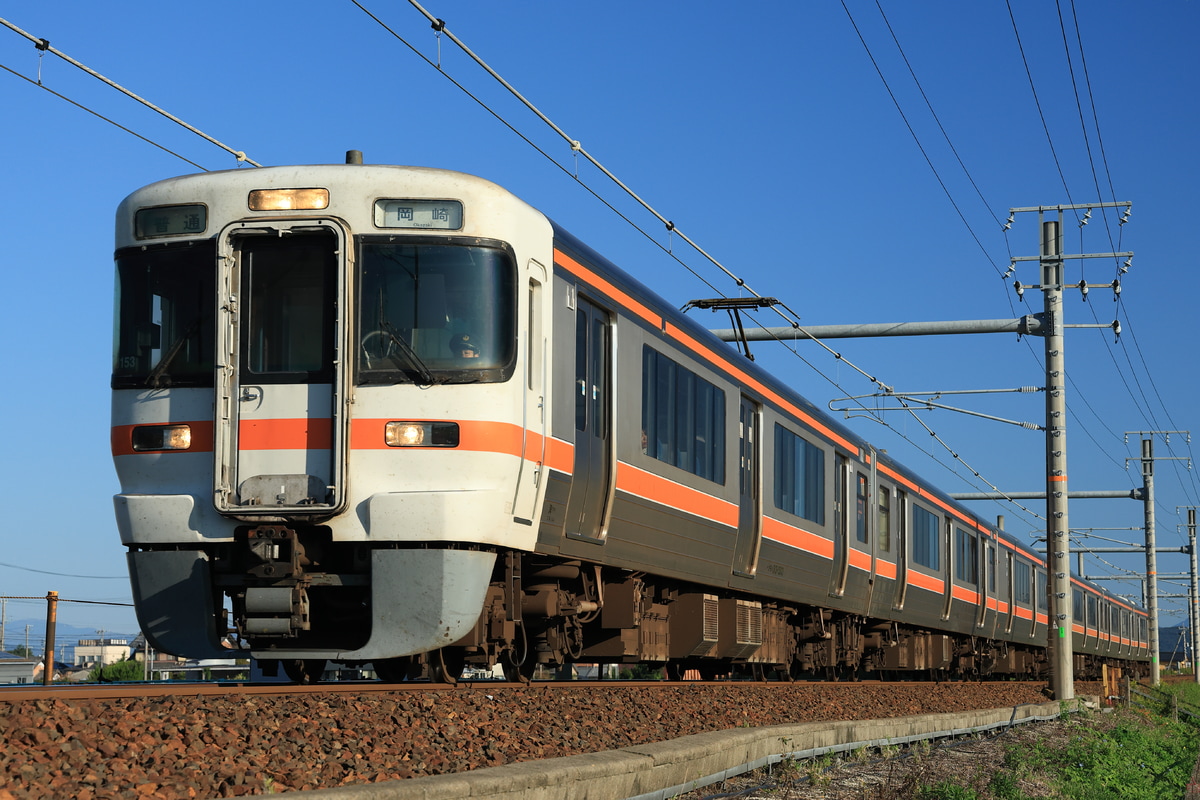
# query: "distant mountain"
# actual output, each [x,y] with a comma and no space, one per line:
[64,635]
[1175,644]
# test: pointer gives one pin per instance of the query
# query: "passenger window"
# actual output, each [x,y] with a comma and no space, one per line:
[799,476]
[683,417]
[966,556]
[925,549]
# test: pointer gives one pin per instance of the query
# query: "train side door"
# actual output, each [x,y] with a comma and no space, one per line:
[749,536]
[987,577]
[592,482]
[901,550]
[1011,589]
[841,526]
[281,373]
[867,530]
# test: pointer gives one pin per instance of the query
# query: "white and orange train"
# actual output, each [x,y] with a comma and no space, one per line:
[396,415]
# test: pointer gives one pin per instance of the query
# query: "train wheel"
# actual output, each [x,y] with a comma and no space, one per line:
[518,673]
[446,665]
[304,671]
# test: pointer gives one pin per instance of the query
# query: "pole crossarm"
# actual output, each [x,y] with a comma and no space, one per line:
[1064,256]
[1131,578]
[1098,494]
[1028,325]
[1180,549]
[1074,207]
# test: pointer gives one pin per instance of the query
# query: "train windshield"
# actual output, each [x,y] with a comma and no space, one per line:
[164,317]
[435,312]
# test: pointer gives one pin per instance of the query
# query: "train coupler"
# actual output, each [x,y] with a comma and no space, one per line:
[278,605]
[275,611]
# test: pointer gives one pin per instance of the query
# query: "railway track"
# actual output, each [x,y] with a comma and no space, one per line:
[192,740]
[9,694]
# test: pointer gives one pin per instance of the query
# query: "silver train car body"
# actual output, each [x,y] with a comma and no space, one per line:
[395,414]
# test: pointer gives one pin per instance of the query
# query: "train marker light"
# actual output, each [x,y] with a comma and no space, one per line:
[288,199]
[421,434]
[162,437]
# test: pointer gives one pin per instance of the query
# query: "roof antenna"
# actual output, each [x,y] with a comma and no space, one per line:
[354,156]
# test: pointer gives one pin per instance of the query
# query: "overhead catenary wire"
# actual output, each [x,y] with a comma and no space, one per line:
[441,28]
[658,216]
[913,133]
[44,46]
[576,146]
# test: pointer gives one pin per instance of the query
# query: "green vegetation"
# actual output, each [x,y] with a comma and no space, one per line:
[1129,754]
[115,673]
[1143,752]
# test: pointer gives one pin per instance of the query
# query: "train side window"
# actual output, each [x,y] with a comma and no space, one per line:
[1022,584]
[966,556]
[581,362]
[884,530]
[925,549]
[683,417]
[1077,605]
[799,476]
[991,567]
[1040,585]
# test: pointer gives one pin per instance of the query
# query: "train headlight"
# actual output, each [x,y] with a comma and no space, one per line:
[288,199]
[421,434]
[162,437]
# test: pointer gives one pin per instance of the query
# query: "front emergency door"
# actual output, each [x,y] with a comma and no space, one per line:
[279,430]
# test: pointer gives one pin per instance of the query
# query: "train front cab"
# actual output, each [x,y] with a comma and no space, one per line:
[293,425]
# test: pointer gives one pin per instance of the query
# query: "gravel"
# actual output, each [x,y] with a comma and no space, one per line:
[236,745]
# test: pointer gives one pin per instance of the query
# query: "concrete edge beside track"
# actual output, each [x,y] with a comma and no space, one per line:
[666,769]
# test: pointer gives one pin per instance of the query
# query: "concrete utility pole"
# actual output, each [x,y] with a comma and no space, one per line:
[1147,460]
[1151,557]
[1049,325]
[1194,595]
[1058,545]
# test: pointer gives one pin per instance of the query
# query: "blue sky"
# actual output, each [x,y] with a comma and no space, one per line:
[763,131]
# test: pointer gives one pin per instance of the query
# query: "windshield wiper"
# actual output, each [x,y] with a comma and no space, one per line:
[154,379]
[414,360]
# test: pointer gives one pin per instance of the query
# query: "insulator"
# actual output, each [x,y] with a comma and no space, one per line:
[1083,289]
[1116,287]
[1116,328]
[1020,290]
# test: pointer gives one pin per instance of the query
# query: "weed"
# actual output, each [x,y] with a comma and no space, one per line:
[946,791]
